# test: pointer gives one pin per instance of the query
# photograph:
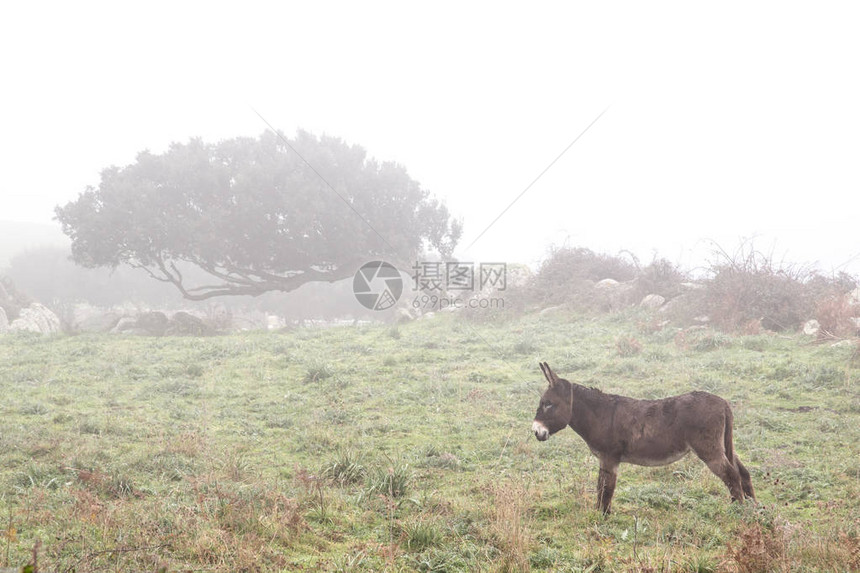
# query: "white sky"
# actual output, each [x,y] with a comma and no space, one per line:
[726,120]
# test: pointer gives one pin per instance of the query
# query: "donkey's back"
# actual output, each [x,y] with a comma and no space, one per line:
[659,432]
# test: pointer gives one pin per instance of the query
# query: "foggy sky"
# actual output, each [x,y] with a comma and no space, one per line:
[724,121]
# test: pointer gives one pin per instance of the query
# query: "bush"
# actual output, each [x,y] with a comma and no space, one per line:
[660,277]
[747,286]
[569,274]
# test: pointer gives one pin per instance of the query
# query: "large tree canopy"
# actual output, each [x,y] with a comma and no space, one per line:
[255,214]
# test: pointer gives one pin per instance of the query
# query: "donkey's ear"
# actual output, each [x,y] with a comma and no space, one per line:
[548,373]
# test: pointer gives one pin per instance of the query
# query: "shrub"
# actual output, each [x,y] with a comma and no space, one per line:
[569,274]
[660,277]
[748,286]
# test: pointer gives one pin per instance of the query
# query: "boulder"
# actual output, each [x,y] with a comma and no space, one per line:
[274,322]
[4,321]
[550,310]
[124,325]
[152,323]
[811,327]
[607,284]
[403,314]
[100,322]
[652,301]
[36,318]
[185,324]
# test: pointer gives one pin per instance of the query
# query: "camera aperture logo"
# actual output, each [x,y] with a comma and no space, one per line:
[377,285]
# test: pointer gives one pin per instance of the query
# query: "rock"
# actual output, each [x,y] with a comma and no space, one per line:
[692,286]
[185,324]
[652,301]
[606,284]
[811,327]
[100,322]
[274,322]
[124,325]
[703,319]
[152,323]
[854,297]
[402,314]
[4,321]
[36,318]
[842,343]
[550,310]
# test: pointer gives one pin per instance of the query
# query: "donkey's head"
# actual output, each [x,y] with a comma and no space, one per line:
[556,405]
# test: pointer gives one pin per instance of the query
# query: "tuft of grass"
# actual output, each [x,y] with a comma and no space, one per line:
[420,534]
[317,372]
[393,481]
[346,468]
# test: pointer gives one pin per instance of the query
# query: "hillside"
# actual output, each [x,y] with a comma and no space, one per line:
[409,448]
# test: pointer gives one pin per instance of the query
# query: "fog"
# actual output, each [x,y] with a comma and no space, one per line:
[723,122]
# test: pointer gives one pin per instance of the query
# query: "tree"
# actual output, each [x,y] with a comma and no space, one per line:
[257,215]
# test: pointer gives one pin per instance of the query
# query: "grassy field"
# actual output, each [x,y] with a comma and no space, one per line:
[408,448]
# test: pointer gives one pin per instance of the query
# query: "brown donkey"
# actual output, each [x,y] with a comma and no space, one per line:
[643,432]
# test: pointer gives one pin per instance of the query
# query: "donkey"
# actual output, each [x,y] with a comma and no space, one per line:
[643,432]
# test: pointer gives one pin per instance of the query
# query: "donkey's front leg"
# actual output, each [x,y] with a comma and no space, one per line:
[606,484]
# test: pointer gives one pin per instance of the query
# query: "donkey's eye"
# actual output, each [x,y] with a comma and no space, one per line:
[547,407]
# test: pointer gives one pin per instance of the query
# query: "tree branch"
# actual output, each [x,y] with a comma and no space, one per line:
[243,285]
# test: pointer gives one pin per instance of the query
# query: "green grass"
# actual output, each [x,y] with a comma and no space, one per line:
[409,449]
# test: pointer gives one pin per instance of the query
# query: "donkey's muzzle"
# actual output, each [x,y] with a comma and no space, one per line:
[541,432]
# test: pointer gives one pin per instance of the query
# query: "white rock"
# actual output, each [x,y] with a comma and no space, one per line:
[811,327]
[274,322]
[36,318]
[549,310]
[652,301]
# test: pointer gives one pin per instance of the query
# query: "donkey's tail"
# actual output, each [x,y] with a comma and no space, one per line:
[727,435]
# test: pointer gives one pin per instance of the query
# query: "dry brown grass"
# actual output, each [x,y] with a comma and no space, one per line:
[757,549]
[509,525]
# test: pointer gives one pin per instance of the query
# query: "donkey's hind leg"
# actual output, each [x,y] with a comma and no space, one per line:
[746,480]
[726,471]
